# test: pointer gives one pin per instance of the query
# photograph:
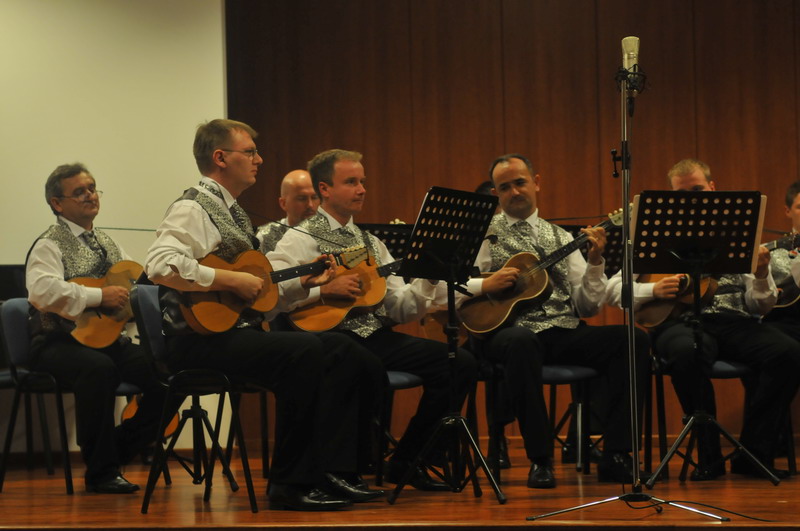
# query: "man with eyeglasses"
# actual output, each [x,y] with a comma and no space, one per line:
[69,249]
[326,390]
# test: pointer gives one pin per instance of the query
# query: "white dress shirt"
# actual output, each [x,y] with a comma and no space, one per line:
[186,235]
[588,282]
[403,302]
[44,278]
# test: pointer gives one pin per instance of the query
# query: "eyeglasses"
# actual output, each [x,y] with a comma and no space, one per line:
[251,153]
[82,195]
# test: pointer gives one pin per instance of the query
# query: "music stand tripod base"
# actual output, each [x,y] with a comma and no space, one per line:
[444,243]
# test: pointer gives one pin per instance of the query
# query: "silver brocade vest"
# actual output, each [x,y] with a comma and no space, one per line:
[363,324]
[269,235]
[78,261]
[234,242]
[728,298]
[555,311]
[780,264]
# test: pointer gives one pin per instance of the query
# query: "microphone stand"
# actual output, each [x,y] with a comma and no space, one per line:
[630,82]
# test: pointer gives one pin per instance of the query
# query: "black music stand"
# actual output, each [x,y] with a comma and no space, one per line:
[703,233]
[444,243]
[394,235]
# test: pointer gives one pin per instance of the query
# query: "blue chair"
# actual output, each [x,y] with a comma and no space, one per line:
[192,383]
[27,382]
[398,380]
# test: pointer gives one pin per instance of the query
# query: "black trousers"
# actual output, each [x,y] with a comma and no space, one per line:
[429,360]
[603,348]
[773,356]
[325,389]
[93,376]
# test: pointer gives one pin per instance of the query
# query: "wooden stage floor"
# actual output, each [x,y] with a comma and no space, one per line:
[34,500]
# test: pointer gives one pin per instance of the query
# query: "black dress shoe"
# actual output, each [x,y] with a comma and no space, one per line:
[113,485]
[292,498]
[742,465]
[420,479]
[707,473]
[617,468]
[541,477]
[340,487]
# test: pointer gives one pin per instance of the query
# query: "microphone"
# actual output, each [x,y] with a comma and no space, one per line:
[630,53]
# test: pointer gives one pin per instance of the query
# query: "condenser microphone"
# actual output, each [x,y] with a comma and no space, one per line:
[630,53]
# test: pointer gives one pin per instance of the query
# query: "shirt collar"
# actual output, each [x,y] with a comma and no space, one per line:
[76,229]
[334,223]
[227,198]
[532,220]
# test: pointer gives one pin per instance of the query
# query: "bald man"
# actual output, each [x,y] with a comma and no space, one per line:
[298,199]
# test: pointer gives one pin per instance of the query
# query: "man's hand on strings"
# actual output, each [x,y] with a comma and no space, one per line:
[342,287]
[500,280]
[311,281]
[597,243]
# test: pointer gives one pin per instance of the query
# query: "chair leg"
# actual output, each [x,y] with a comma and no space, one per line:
[237,426]
[385,436]
[661,416]
[161,453]
[264,435]
[790,454]
[45,430]
[9,436]
[62,428]
[29,431]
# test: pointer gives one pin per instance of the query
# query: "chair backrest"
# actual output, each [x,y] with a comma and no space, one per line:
[16,339]
[146,309]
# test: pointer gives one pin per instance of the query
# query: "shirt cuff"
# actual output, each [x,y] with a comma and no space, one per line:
[94,297]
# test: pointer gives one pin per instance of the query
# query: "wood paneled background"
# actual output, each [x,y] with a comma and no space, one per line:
[431,91]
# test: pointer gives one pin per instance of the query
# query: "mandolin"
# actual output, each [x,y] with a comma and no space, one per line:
[655,312]
[320,316]
[209,312]
[485,313]
[99,328]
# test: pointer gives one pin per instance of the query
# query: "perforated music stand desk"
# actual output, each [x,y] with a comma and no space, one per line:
[444,243]
[720,231]
[702,233]
[394,235]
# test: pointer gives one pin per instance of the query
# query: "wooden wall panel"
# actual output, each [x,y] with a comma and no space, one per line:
[746,97]
[549,72]
[432,90]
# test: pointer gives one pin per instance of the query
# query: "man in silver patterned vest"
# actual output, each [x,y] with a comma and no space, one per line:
[785,266]
[549,329]
[298,199]
[74,248]
[339,179]
[731,330]
[325,391]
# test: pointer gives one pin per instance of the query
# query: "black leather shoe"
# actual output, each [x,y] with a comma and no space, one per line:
[541,477]
[617,468]
[114,485]
[742,465]
[707,473]
[500,452]
[569,453]
[291,498]
[357,493]
[420,479]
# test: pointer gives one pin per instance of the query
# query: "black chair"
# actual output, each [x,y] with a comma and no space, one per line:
[720,370]
[552,375]
[397,380]
[27,382]
[192,383]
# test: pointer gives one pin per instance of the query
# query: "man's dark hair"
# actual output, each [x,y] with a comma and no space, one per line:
[791,193]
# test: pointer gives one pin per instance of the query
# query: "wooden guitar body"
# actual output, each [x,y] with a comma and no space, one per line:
[484,313]
[96,328]
[212,312]
[655,312]
[320,316]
